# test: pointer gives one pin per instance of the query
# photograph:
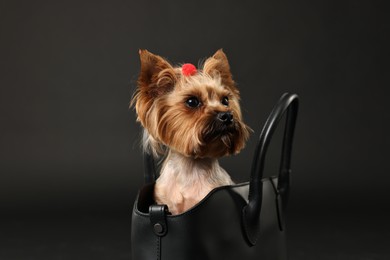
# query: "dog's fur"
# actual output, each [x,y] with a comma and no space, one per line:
[181,116]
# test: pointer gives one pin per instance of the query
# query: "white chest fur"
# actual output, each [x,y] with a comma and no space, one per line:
[185,181]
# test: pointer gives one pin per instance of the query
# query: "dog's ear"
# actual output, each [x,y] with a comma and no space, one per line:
[218,64]
[157,76]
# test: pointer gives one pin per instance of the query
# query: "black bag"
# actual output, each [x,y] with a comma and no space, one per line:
[242,221]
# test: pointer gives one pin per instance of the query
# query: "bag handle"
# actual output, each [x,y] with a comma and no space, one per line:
[251,212]
[150,173]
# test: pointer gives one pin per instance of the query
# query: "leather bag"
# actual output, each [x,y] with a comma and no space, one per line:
[242,221]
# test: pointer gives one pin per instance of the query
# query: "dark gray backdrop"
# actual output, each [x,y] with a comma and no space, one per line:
[70,164]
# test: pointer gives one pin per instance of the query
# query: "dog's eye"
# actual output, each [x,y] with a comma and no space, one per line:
[225,101]
[193,102]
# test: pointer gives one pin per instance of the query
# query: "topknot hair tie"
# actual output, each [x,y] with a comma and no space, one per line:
[188,69]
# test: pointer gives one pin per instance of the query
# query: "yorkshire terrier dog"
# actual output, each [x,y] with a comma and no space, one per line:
[191,117]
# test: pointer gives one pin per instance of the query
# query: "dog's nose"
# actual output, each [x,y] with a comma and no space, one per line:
[225,117]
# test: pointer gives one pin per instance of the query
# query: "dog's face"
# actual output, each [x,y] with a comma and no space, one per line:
[195,113]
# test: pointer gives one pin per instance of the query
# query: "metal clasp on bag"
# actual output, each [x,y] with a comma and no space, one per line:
[158,219]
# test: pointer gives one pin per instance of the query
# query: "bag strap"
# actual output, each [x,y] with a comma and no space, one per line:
[150,173]
[251,212]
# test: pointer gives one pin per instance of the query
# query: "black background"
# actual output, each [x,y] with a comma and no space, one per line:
[69,152]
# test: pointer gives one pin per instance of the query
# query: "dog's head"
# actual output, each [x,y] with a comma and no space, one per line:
[193,112]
